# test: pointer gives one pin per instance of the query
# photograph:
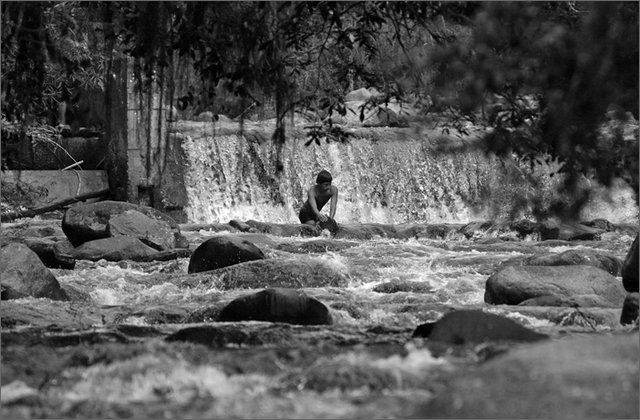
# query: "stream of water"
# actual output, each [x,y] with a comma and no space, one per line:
[364,365]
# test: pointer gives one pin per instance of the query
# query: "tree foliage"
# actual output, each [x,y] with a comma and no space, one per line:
[556,80]
[49,50]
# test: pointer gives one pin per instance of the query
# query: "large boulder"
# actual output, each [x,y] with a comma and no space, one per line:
[603,260]
[630,268]
[23,274]
[579,377]
[475,326]
[86,222]
[155,233]
[271,273]
[114,249]
[513,285]
[222,251]
[54,252]
[277,305]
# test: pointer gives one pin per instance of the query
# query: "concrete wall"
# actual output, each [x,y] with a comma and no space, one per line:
[54,186]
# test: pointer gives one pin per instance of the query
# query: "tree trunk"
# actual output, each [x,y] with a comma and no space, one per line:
[116,117]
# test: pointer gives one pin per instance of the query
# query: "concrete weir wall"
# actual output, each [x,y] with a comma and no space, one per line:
[54,186]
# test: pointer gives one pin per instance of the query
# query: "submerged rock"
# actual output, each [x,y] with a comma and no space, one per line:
[475,326]
[23,274]
[277,305]
[514,285]
[575,377]
[223,251]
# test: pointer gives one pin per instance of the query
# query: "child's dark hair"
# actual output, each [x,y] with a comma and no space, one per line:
[323,176]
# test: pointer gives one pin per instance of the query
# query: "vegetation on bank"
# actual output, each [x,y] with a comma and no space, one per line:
[547,81]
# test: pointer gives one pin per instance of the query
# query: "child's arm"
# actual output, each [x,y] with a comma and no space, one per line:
[334,202]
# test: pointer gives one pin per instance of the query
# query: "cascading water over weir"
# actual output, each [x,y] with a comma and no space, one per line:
[384,175]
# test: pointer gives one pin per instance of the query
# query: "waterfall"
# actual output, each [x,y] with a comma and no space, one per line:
[383,176]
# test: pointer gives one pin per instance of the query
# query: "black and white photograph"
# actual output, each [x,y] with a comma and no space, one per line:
[319,210]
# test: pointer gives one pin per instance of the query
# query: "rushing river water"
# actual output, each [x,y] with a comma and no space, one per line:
[108,356]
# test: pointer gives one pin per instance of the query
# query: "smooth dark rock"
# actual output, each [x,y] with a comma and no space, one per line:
[475,326]
[629,309]
[630,268]
[513,285]
[23,274]
[277,305]
[223,251]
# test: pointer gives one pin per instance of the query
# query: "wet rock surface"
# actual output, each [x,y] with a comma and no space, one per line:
[574,377]
[514,285]
[223,251]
